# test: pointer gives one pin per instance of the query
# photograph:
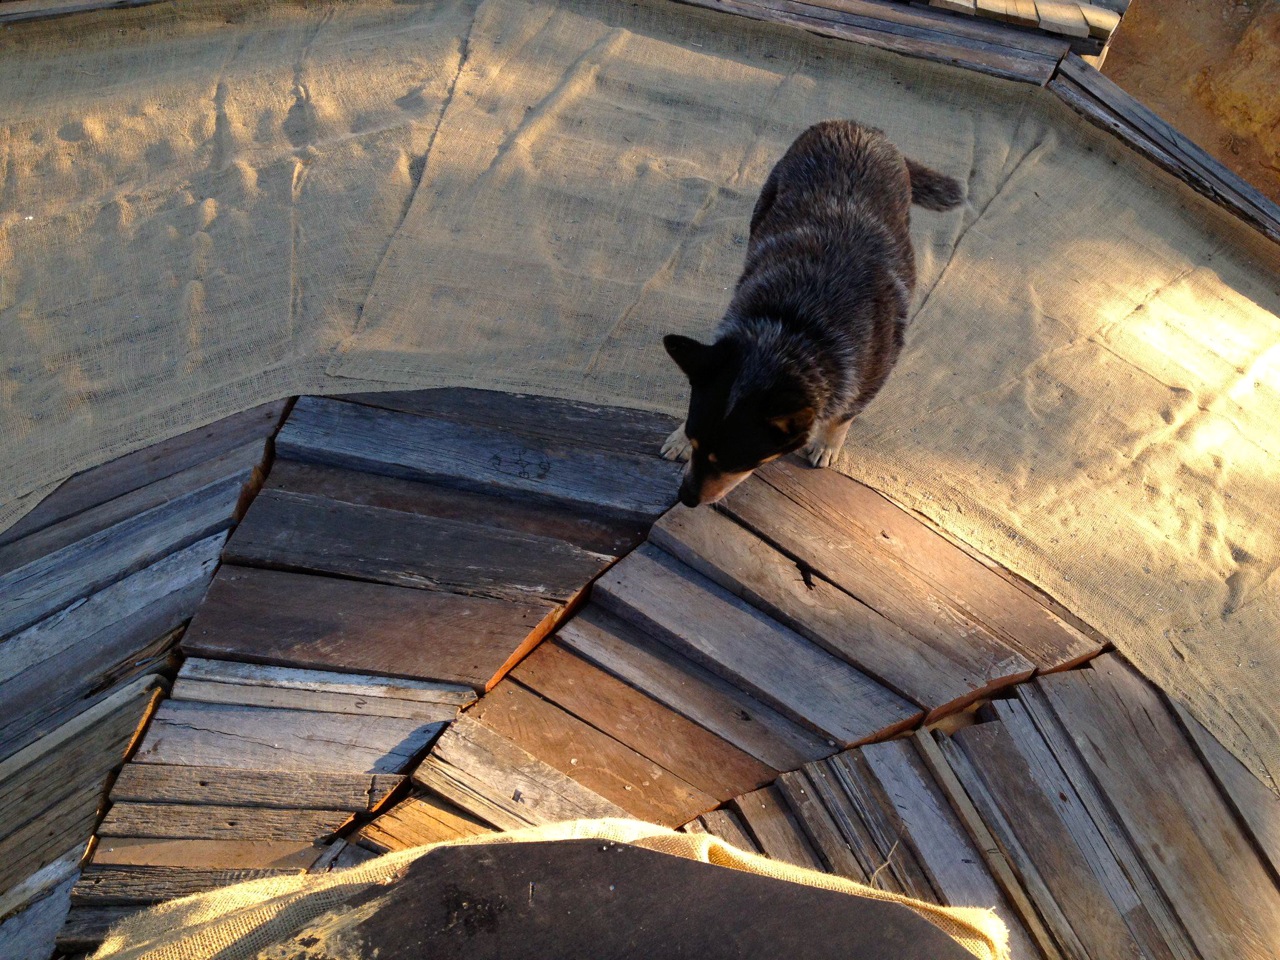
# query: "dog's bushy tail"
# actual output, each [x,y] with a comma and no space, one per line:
[933,190]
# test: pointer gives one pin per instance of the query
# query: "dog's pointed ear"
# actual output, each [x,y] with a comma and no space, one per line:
[794,424]
[694,358]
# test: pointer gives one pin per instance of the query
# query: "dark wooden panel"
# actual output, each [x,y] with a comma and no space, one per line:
[668,739]
[296,532]
[161,783]
[292,619]
[595,760]
[86,927]
[826,786]
[102,886]
[689,690]
[206,822]
[365,438]
[708,624]
[725,825]
[774,828]
[821,830]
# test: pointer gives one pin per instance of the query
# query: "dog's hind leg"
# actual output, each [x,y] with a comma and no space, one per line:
[827,442]
[677,446]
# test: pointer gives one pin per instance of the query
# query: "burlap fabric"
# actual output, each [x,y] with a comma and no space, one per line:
[246,920]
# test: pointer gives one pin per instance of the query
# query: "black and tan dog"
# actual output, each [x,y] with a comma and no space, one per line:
[817,319]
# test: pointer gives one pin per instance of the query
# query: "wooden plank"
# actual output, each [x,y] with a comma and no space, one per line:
[726,635]
[220,854]
[359,437]
[426,692]
[1061,16]
[296,532]
[595,760]
[826,786]
[1257,804]
[1170,808]
[236,694]
[102,886]
[968,7]
[821,830]
[944,849]
[989,34]
[568,522]
[1023,13]
[496,781]
[24,11]
[43,839]
[416,821]
[264,738]
[1102,22]
[655,731]
[285,789]
[771,822]
[993,9]
[892,562]
[725,825]
[291,619]
[30,934]
[689,690]
[40,884]
[934,677]
[546,419]
[87,927]
[1056,874]
[181,821]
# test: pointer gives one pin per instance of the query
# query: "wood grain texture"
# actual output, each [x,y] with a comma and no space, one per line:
[728,636]
[359,437]
[690,690]
[935,677]
[1061,16]
[1170,808]
[206,822]
[42,839]
[726,825]
[819,827]
[427,692]
[30,934]
[292,619]
[263,738]
[236,694]
[689,751]
[594,759]
[220,854]
[496,781]
[220,786]
[416,821]
[774,828]
[825,784]
[101,885]
[86,927]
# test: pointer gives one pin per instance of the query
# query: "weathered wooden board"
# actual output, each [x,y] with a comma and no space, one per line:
[181,821]
[726,825]
[935,677]
[728,636]
[102,885]
[572,523]
[40,884]
[416,821]
[891,12]
[1170,808]
[689,690]
[123,475]
[237,694]
[292,619]
[47,584]
[297,532]
[359,437]
[826,786]
[775,829]
[1023,13]
[821,830]
[291,789]
[41,840]
[86,927]
[689,751]
[545,419]
[29,935]
[263,738]
[427,692]
[221,854]
[1062,16]
[496,781]
[594,759]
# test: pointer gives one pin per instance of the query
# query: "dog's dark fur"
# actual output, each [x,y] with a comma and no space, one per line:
[817,319]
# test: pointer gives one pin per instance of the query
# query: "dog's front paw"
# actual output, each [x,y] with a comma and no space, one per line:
[677,446]
[821,454]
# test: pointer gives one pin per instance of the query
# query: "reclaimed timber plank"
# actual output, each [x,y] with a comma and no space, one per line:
[324,681]
[689,690]
[968,7]
[40,884]
[725,825]
[594,759]
[416,821]
[181,821]
[264,738]
[238,694]
[945,851]
[87,927]
[296,620]
[993,9]
[43,838]
[221,854]
[29,935]
[498,782]
[655,731]
[1102,22]
[825,785]
[894,563]
[1061,16]
[939,679]
[102,885]
[824,836]
[359,437]
[568,522]
[1171,809]
[1023,13]
[728,636]
[292,789]
[547,419]
[302,533]
[351,856]
[771,822]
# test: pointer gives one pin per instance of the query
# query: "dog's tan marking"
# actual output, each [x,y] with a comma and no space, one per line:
[711,457]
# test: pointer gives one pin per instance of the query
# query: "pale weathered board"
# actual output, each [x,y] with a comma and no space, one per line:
[237,694]
[43,839]
[826,786]
[594,759]
[101,885]
[416,821]
[292,619]
[1062,16]
[29,935]
[39,884]
[263,738]
[220,854]
[182,821]
[936,677]
[725,825]
[728,636]
[774,828]
[1171,809]
[296,532]
[367,686]
[824,835]
[690,690]
[365,438]
[496,781]
[162,783]
[631,717]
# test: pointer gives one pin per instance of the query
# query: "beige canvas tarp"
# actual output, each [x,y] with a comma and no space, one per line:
[1089,394]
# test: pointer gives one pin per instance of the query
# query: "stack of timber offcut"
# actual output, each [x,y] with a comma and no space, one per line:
[96,584]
